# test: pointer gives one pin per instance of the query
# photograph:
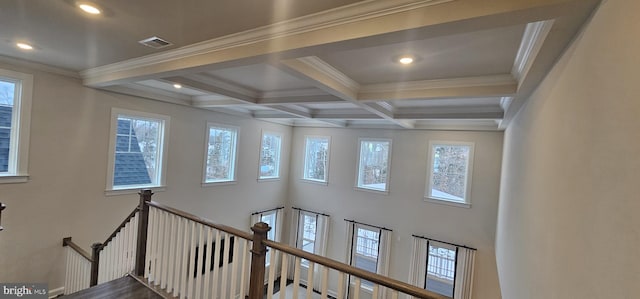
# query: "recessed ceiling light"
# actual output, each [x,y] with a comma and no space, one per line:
[177,86]
[406,60]
[24,46]
[90,9]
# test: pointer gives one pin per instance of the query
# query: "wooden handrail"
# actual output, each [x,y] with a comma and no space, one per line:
[207,222]
[67,242]
[120,227]
[370,276]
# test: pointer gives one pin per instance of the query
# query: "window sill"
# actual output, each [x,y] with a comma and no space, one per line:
[134,190]
[447,203]
[268,179]
[317,182]
[12,179]
[220,183]
[383,192]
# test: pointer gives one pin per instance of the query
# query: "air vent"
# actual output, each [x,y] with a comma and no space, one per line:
[155,42]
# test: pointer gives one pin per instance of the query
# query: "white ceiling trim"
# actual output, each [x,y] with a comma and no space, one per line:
[328,70]
[534,36]
[320,99]
[353,13]
[151,93]
[211,85]
[38,66]
[292,93]
[491,80]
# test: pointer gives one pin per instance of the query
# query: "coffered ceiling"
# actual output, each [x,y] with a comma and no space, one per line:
[310,63]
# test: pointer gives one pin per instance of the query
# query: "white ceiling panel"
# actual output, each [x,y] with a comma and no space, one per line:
[486,52]
[260,77]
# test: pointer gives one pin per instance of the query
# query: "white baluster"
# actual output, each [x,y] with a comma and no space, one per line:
[234,268]
[225,264]
[283,275]
[192,268]
[356,289]
[200,261]
[272,273]
[310,279]
[157,273]
[325,282]
[296,277]
[172,253]
[207,262]
[394,294]
[178,257]
[375,291]
[185,254]
[216,262]
[166,234]
[245,268]
[341,281]
[150,238]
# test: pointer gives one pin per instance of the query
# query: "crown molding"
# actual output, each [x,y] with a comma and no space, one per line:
[534,36]
[352,13]
[38,66]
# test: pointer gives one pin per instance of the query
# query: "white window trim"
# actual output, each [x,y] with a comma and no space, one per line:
[234,178]
[19,152]
[467,196]
[273,230]
[111,190]
[358,164]
[270,178]
[304,169]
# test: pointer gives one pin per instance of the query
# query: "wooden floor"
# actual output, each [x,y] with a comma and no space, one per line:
[122,288]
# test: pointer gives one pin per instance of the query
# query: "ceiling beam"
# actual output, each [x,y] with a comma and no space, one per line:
[470,87]
[320,99]
[365,19]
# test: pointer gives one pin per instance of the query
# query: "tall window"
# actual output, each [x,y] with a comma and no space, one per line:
[270,219]
[316,159]
[307,234]
[270,156]
[366,250]
[220,154]
[374,164]
[138,150]
[15,111]
[441,269]
[450,172]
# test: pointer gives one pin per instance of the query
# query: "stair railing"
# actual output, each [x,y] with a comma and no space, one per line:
[181,255]
[78,267]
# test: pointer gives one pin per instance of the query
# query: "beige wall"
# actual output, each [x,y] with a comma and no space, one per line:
[67,167]
[569,224]
[404,210]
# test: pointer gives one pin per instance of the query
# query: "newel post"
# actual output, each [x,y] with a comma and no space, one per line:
[95,261]
[143,224]
[258,255]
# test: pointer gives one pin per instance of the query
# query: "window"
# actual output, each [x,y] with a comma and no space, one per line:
[441,268]
[316,159]
[15,117]
[307,234]
[365,253]
[374,164]
[270,219]
[221,151]
[138,150]
[270,156]
[450,172]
